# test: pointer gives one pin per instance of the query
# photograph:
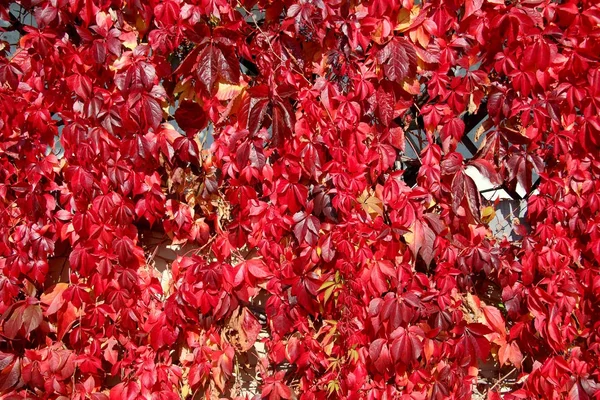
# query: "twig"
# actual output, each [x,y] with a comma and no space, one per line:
[499,381]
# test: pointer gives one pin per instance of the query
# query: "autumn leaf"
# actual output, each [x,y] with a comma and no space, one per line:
[421,240]
[216,62]
[247,327]
[32,317]
[371,204]
[306,228]
[399,59]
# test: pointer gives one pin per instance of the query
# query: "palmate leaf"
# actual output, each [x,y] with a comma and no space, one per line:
[261,104]
[406,346]
[398,59]
[371,204]
[306,228]
[216,62]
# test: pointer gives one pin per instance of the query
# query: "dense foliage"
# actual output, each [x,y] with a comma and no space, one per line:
[304,154]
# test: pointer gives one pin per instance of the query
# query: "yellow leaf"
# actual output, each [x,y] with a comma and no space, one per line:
[488,214]
[48,297]
[472,106]
[382,31]
[328,294]
[186,90]
[479,132]
[332,386]
[371,204]
[130,40]
[409,237]
[473,371]
[185,390]
[166,281]
[326,285]
[412,86]
[353,355]
[406,17]
[141,24]
[421,36]
[403,20]
[432,203]
[226,91]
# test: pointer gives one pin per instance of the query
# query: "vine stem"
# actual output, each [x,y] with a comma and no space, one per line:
[502,379]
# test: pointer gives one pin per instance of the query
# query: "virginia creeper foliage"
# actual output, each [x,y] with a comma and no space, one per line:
[306,156]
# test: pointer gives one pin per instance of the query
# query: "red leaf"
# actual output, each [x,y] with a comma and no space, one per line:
[9,74]
[110,354]
[422,241]
[493,395]
[494,319]
[283,122]
[125,391]
[451,133]
[381,271]
[254,108]
[217,62]
[473,197]
[10,375]
[306,228]
[32,317]
[327,250]
[5,360]
[258,269]
[473,342]
[385,106]
[247,327]
[66,319]
[399,59]
[151,111]
[464,188]
[521,165]
[487,169]
[406,346]
[14,323]
[380,354]
[472,6]
[80,179]
[284,391]
[510,352]
[80,259]
[81,85]
[458,193]
[207,68]
[187,149]
[190,116]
